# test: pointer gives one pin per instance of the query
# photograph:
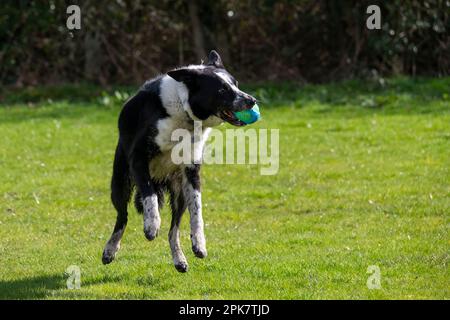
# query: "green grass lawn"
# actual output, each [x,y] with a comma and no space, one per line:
[364,180]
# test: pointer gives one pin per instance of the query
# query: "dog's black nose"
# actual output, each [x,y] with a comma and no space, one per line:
[250,101]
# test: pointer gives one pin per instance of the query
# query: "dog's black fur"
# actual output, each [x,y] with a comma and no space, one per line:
[204,93]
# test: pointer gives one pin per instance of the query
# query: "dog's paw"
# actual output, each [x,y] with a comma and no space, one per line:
[199,252]
[199,245]
[108,256]
[152,220]
[151,233]
[151,227]
[181,266]
[109,253]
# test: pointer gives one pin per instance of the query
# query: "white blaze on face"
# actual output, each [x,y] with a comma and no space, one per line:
[196,66]
[228,80]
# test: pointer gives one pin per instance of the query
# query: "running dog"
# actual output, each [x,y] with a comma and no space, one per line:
[206,93]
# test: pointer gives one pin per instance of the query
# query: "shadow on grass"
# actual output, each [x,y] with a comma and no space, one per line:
[42,287]
[31,288]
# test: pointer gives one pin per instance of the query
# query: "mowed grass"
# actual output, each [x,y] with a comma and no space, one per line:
[363,180]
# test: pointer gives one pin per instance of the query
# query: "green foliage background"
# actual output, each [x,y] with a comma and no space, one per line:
[125,41]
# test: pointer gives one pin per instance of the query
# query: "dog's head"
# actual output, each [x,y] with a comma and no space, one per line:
[213,91]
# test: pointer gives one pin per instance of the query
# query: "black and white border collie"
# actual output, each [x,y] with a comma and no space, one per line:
[206,93]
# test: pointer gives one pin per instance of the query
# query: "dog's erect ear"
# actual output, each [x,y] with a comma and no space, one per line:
[185,75]
[214,59]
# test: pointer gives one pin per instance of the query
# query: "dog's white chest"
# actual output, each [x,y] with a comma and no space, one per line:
[165,139]
[169,131]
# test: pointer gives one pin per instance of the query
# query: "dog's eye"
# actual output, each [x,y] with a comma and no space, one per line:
[222,91]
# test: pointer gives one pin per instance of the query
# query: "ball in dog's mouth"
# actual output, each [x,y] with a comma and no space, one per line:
[229,117]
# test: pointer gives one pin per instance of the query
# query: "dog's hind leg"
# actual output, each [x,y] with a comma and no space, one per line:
[120,196]
[178,206]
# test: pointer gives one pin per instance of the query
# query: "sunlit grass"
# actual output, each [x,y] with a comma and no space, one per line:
[363,180]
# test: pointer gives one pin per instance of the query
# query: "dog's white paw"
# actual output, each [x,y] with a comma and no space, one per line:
[152,220]
[199,245]
[199,252]
[181,265]
[151,230]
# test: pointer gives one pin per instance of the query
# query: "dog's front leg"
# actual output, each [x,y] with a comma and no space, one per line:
[152,220]
[140,170]
[191,189]
[178,206]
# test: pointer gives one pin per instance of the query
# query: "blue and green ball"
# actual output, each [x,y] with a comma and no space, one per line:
[249,116]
